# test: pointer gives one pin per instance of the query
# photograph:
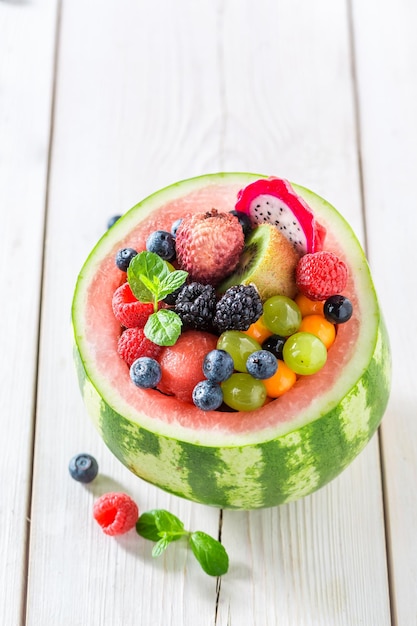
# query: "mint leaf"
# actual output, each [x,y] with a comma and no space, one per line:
[142,270]
[147,527]
[163,327]
[167,522]
[210,553]
[161,546]
[151,285]
[159,523]
[151,280]
[163,527]
[173,281]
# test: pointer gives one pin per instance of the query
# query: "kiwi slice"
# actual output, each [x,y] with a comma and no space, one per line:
[268,261]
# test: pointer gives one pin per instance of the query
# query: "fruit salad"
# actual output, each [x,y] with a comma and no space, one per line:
[229,342]
[229,308]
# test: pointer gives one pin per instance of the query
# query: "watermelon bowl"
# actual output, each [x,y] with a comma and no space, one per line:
[283,451]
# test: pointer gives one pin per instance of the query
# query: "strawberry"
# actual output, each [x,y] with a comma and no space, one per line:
[133,344]
[128,310]
[116,513]
[209,245]
[320,275]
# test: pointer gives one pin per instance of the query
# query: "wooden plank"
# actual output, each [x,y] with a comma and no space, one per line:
[27,35]
[115,140]
[321,560]
[316,561]
[387,69]
[141,102]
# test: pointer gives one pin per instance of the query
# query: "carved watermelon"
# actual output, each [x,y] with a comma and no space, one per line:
[287,449]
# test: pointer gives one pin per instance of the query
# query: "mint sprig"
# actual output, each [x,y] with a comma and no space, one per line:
[163,527]
[151,280]
[163,327]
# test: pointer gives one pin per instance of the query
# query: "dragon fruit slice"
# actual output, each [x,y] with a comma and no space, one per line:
[274,201]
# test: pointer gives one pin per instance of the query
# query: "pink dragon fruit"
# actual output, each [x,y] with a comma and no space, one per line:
[274,201]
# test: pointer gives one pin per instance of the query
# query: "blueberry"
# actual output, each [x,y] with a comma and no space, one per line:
[123,258]
[218,366]
[337,309]
[207,395]
[162,243]
[261,364]
[274,344]
[111,222]
[145,372]
[83,468]
[175,226]
[244,221]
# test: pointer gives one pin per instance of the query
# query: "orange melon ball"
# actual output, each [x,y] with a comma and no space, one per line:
[258,331]
[318,325]
[307,306]
[281,381]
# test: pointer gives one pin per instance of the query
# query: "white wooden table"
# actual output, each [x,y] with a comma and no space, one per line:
[102,103]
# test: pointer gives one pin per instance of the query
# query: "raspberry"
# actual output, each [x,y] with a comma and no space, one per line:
[128,310]
[240,307]
[209,245]
[134,344]
[320,275]
[116,513]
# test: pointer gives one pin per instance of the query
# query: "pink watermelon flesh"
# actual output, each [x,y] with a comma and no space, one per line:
[182,363]
[274,201]
[102,331]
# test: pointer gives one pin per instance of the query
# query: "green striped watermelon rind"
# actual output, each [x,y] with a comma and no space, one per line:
[252,476]
[258,470]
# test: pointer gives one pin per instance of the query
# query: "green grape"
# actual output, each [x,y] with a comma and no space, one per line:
[304,353]
[239,346]
[282,315]
[242,392]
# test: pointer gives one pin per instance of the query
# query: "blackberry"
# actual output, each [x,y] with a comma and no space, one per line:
[196,305]
[239,307]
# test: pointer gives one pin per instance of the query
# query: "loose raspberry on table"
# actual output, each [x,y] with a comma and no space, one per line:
[134,344]
[320,275]
[116,513]
[128,310]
